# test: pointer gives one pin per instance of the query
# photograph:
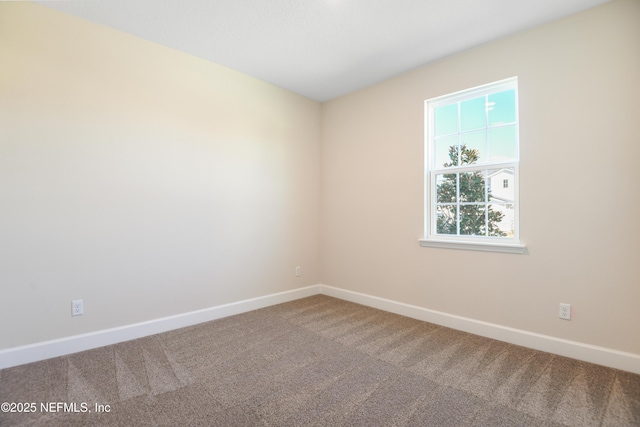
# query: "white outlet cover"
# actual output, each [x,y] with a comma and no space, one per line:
[565,311]
[77,307]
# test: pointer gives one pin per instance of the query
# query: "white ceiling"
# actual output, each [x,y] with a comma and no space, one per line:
[321,49]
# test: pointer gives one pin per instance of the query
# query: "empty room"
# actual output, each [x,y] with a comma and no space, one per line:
[320,212]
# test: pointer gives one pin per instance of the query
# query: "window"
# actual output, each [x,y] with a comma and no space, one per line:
[472,154]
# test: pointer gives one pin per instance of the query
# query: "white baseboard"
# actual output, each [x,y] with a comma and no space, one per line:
[45,350]
[589,353]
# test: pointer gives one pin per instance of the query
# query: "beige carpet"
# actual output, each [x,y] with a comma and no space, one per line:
[320,361]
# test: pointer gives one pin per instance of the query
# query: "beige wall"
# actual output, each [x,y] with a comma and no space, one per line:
[152,183]
[145,181]
[580,195]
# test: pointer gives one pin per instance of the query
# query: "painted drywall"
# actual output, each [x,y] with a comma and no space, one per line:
[143,180]
[151,183]
[579,127]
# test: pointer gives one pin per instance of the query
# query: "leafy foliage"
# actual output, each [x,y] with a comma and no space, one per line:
[471,190]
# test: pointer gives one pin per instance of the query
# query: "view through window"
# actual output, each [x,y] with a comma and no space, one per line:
[472,154]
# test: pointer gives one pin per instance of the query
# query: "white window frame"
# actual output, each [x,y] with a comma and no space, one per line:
[482,243]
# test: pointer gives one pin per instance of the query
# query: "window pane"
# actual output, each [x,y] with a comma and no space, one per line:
[446,188]
[446,219]
[446,120]
[472,114]
[503,144]
[443,150]
[472,220]
[472,188]
[475,141]
[472,163]
[502,107]
[501,185]
[501,220]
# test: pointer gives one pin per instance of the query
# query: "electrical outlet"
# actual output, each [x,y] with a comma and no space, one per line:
[77,307]
[565,311]
[297,271]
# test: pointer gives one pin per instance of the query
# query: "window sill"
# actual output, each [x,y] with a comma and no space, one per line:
[511,248]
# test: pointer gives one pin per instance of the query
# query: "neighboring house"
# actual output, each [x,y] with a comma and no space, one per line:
[501,190]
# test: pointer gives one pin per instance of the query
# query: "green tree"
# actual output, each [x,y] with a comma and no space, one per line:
[471,190]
